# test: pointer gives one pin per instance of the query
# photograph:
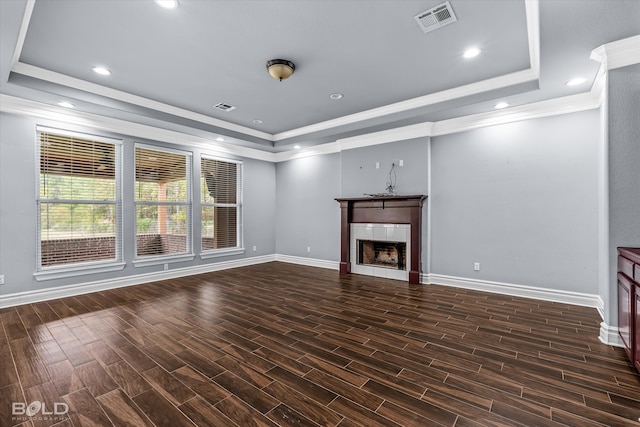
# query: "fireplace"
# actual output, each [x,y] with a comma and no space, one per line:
[382,254]
[381,250]
[381,236]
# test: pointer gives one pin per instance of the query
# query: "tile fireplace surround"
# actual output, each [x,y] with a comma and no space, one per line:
[388,212]
[399,233]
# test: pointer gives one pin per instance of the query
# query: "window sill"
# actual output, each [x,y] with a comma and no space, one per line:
[221,253]
[145,262]
[64,272]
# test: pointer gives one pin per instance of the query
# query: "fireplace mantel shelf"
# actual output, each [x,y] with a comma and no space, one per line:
[386,209]
[382,197]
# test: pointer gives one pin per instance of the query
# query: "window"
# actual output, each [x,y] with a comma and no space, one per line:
[79,200]
[163,202]
[221,196]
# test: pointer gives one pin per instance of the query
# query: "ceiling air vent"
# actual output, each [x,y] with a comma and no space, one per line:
[436,17]
[224,107]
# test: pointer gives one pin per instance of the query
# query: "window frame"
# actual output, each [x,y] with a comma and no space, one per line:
[82,267]
[239,248]
[143,261]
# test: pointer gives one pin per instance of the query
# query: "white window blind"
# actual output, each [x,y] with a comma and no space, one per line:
[79,199]
[163,202]
[221,196]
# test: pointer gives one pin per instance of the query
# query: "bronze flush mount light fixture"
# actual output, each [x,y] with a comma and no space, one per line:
[280,69]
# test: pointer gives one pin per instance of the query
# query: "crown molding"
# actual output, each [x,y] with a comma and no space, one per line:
[64,80]
[419,130]
[72,82]
[365,140]
[551,107]
[22,35]
[564,105]
[316,150]
[618,54]
[612,55]
[533,33]
[506,80]
[11,104]
[524,76]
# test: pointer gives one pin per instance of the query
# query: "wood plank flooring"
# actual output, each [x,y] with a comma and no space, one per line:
[285,345]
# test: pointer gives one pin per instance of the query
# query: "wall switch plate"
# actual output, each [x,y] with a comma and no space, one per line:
[476,266]
[308,248]
[377,165]
[401,163]
[1,279]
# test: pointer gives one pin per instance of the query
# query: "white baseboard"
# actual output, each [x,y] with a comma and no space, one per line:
[311,262]
[85,288]
[555,295]
[609,335]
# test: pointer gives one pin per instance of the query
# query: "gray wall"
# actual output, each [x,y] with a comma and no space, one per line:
[307,214]
[360,176]
[624,169]
[18,207]
[521,200]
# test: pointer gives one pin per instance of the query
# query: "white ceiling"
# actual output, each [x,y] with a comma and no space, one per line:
[172,66]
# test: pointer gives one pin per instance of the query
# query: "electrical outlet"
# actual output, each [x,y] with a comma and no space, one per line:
[401,163]
[377,165]
[1,279]
[308,248]
[255,248]
[166,267]
[476,266]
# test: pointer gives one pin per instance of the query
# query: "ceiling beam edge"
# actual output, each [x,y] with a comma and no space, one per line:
[22,35]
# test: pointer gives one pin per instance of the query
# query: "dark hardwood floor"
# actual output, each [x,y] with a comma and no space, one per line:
[280,344]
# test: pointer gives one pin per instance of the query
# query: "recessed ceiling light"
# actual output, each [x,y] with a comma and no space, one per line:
[336,96]
[102,71]
[220,139]
[257,121]
[576,81]
[500,105]
[167,4]
[297,147]
[472,52]
[66,104]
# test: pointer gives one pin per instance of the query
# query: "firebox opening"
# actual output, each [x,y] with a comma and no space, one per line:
[382,254]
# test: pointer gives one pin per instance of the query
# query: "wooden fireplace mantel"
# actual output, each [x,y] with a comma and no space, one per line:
[391,209]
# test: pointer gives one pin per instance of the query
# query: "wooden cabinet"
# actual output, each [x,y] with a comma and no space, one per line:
[625,312]
[636,328]
[629,302]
